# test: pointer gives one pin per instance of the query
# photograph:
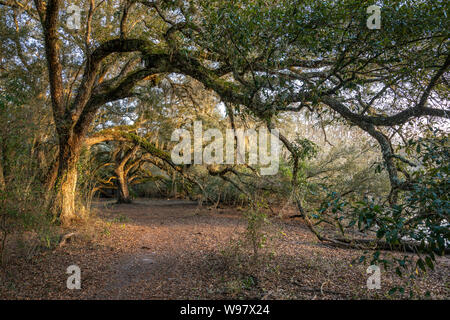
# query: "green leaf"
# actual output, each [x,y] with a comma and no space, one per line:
[392,291]
[380,233]
[429,263]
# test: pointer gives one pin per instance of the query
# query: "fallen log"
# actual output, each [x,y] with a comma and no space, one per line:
[366,244]
[375,244]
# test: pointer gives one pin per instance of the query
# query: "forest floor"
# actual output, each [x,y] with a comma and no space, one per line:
[174,249]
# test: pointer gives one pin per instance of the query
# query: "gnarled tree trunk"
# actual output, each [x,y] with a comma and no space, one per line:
[67,179]
[123,194]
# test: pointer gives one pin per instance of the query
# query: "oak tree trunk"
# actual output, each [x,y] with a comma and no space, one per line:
[67,180]
[2,177]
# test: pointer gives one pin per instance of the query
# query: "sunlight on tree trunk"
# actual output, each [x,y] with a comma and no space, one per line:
[123,195]
[69,156]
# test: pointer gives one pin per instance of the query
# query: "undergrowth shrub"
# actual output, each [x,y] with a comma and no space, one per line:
[25,227]
[249,255]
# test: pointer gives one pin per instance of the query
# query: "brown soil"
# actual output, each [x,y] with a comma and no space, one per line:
[173,249]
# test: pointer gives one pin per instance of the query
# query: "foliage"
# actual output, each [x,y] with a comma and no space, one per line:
[420,219]
[138,70]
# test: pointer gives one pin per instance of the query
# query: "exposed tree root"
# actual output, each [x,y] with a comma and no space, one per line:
[66,238]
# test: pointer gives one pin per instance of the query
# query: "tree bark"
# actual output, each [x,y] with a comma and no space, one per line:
[51,177]
[123,194]
[2,177]
[68,175]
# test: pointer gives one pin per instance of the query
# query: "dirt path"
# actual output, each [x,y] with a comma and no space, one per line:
[172,249]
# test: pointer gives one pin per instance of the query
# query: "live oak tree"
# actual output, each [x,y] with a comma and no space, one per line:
[74,115]
[266,58]
[121,157]
[75,109]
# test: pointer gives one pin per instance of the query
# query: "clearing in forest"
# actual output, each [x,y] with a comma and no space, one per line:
[174,249]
